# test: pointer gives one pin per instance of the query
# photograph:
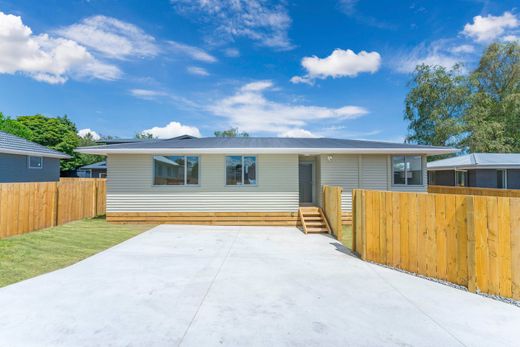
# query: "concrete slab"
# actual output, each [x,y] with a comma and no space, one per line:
[206,285]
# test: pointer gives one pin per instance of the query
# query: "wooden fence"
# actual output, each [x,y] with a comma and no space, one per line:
[25,207]
[510,193]
[473,241]
[332,209]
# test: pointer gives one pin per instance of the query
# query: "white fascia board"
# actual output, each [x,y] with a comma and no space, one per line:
[269,150]
[35,154]
[474,167]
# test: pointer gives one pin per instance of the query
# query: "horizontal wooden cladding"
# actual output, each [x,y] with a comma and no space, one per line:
[346,218]
[207,218]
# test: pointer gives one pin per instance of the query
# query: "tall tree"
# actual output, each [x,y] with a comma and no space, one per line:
[493,120]
[233,132]
[435,105]
[12,126]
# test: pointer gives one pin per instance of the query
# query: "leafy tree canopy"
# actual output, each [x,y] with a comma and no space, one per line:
[477,111]
[11,126]
[233,132]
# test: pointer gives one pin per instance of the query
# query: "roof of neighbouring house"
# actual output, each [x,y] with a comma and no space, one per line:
[99,165]
[12,144]
[478,160]
[132,140]
[233,145]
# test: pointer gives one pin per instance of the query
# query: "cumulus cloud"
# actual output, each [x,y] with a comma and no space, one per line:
[196,70]
[297,133]
[192,52]
[86,131]
[111,37]
[227,20]
[340,63]
[44,58]
[172,129]
[489,28]
[250,110]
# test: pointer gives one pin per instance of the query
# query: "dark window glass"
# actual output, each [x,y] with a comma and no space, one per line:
[35,162]
[500,179]
[192,174]
[460,178]
[249,170]
[234,170]
[169,170]
[398,165]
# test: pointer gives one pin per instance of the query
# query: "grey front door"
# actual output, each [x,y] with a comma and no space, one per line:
[305,179]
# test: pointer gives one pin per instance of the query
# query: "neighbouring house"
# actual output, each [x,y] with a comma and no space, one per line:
[96,170]
[484,170]
[25,161]
[195,179]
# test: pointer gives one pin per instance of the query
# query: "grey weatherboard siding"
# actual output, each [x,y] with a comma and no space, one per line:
[14,168]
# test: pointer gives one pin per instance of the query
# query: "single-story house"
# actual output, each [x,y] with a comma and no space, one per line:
[197,178]
[484,170]
[25,161]
[96,170]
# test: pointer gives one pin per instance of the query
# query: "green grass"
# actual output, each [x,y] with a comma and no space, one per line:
[346,237]
[35,253]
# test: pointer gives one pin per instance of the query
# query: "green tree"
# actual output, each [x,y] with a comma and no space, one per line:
[57,133]
[12,126]
[86,159]
[233,132]
[435,105]
[493,120]
[144,136]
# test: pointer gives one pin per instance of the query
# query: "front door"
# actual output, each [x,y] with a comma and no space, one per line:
[305,179]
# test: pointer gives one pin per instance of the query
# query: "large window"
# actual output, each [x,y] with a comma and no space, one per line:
[501,179]
[240,170]
[407,170]
[35,162]
[176,170]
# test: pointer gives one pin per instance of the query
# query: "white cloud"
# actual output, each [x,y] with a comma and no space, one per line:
[199,71]
[111,37]
[192,51]
[463,49]
[86,131]
[172,129]
[46,59]
[438,53]
[250,110]
[341,63]
[297,133]
[231,19]
[511,38]
[489,28]
[232,52]
[147,93]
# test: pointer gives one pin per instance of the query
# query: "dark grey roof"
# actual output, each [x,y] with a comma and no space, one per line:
[134,140]
[476,160]
[16,145]
[98,165]
[262,142]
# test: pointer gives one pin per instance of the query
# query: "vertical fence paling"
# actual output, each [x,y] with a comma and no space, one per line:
[473,241]
[25,207]
[332,209]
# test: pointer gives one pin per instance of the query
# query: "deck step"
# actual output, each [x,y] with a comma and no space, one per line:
[313,220]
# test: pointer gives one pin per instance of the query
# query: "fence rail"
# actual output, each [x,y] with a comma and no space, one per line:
[470,240]
[25,207]
[510,193]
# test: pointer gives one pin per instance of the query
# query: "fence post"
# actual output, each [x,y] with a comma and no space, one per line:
[56,205]
[339,217]
[472,271]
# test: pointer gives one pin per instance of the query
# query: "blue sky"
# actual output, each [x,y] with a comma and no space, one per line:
[327,68]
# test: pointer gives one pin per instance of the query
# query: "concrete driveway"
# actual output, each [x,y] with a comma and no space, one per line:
[259,286]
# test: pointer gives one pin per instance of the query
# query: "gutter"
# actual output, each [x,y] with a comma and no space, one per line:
[36,154]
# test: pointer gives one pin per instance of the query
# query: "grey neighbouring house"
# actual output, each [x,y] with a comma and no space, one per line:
[96,170]
[483,170]
[196,179]
[25,161]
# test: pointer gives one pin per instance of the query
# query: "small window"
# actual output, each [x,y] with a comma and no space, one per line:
[240,170]
[407,170]
[460,178]
[35,162]
[176,170]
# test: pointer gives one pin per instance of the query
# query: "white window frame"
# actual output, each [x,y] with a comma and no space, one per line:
[405,184]
[465,172]
[504,178]
[185,171]
[243,171]
[34,167]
